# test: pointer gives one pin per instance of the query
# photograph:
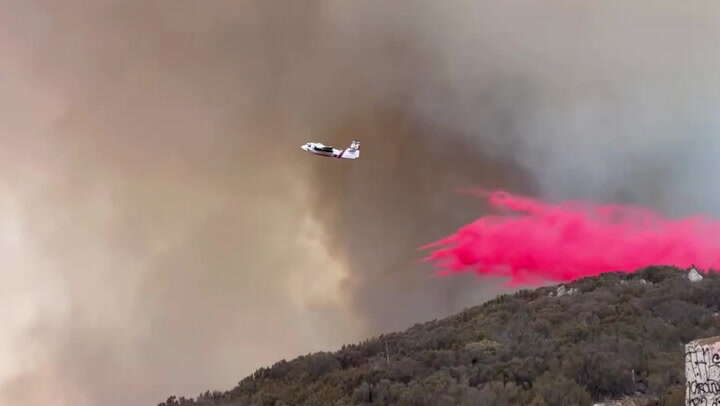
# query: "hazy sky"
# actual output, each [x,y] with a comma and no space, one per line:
[163,233]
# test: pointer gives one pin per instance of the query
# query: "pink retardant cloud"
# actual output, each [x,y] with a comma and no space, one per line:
[535,242]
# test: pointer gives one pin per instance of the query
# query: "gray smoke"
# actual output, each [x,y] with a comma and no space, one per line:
[164,234]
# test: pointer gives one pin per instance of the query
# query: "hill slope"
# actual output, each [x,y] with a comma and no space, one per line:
[601,338]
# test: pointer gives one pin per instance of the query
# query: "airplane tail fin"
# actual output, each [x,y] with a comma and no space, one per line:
[353,152]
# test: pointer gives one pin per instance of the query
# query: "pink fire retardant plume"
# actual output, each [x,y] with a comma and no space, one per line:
[538,242]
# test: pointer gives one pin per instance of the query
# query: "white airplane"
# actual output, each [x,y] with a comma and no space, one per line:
[352,152]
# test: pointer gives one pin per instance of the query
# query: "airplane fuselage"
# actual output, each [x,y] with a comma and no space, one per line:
[352,152]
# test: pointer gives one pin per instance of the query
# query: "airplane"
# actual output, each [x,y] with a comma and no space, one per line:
[352,152]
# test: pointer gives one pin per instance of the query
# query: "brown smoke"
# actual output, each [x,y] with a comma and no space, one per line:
[164,234]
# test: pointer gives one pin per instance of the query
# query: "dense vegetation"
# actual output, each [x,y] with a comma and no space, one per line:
[606,338]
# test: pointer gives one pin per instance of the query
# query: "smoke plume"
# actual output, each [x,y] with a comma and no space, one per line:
[163,233]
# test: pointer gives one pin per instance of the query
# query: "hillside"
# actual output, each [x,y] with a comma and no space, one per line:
[592,340]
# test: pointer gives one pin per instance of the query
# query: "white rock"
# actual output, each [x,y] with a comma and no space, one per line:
[562,291]
[694,275]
